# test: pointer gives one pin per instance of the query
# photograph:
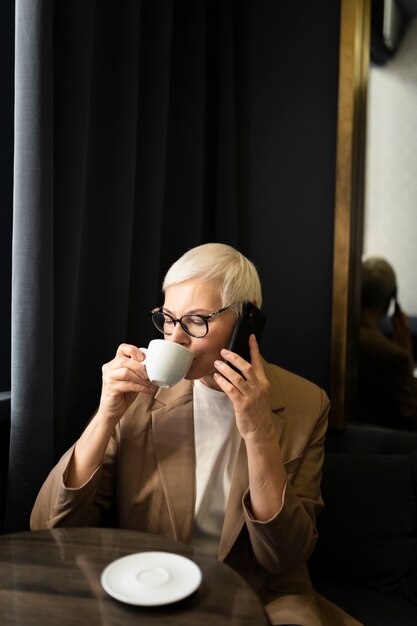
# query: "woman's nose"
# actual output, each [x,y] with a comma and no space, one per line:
[179,335]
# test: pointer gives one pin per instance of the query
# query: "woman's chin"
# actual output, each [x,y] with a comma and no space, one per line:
[192,373]
[197,370]
[195,373]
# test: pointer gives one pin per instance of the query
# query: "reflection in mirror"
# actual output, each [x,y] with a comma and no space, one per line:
[390,41]
[387,391]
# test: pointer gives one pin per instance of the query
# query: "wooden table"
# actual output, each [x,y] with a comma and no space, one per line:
[52,578]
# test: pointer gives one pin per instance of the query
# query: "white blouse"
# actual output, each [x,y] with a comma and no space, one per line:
[217,442]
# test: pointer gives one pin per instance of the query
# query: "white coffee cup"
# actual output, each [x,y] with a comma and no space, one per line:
[166,362]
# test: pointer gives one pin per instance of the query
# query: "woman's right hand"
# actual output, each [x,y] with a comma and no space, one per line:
[123,379]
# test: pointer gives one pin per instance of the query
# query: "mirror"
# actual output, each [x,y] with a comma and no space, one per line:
[375,182]
[348,228]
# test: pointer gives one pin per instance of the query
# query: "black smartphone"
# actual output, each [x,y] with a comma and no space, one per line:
[251,321]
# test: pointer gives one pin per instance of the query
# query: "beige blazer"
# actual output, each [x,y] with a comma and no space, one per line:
[149,469]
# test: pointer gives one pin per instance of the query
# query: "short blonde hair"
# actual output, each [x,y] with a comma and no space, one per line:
[237,277]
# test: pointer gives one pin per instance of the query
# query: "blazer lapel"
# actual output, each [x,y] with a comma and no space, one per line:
[173,434]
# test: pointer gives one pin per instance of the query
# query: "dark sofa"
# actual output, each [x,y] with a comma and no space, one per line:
[366,555]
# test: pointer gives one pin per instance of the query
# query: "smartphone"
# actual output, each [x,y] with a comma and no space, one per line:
[251,321]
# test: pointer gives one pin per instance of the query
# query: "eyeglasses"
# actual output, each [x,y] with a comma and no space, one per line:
[194,325]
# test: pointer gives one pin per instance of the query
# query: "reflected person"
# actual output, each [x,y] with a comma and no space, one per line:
[228,461]
[387,390]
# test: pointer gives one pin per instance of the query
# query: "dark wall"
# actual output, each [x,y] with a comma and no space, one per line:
[291,91]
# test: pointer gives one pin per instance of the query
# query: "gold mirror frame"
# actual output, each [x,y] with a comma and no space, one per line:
[355,20]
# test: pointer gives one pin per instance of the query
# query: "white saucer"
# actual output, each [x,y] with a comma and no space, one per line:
[151,578]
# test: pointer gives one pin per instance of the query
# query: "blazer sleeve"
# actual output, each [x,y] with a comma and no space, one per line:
[58,505]
[288,539]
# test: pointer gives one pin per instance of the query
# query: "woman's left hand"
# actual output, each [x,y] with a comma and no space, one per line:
[250,397]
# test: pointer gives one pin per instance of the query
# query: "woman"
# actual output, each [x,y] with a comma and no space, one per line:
[228,461]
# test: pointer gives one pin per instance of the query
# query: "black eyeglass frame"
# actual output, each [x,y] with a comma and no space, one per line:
[205,318]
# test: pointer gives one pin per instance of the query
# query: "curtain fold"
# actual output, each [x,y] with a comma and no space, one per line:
[31,435]
[96,59]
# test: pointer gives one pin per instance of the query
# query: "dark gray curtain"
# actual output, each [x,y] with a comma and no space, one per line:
[143,128]
[117,162]
[6,203]
[31,446]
